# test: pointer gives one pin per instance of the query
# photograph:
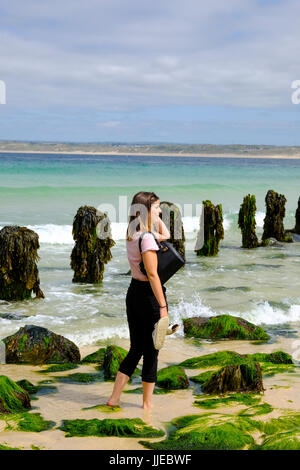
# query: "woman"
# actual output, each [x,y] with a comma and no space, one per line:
[146,298]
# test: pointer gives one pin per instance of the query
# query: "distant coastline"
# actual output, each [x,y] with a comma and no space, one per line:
[154,150]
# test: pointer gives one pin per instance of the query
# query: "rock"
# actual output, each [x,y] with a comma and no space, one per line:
[245,377]
[295,236]
[172,378]
[93,243]
[19,275]
[172,218]
[213,230]
[28,386]
[296,229]
[114,355]
[37,345]
[96,357]
[247,222]
[223,326]
[275,213]
[13,398]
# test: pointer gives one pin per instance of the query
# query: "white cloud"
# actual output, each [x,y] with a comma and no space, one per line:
[116,55]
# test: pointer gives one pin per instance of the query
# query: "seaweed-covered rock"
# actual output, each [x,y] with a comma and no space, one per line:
[211,431]
[245,377]
[172,378]
[172,218]
[96,357]
[213,230]
[114,355]
[219,358]
[19,275]
[28,386]
[296,229]
[222,326]
[93,243]
[247,222]
[37,345]
[13,398]
[275,213]
[276,357]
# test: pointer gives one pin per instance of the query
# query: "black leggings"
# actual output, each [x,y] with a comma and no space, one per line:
[142,313]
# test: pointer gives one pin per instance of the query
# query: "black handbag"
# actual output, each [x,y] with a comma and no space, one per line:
[169,261]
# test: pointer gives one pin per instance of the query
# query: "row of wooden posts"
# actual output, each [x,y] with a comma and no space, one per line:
[19,275]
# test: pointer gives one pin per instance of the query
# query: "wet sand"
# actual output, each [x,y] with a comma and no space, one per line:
[282,392]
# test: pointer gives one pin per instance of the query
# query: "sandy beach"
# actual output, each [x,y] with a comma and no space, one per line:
[153,154]
[282,392]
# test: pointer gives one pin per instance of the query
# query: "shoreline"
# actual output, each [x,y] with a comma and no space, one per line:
[154,154]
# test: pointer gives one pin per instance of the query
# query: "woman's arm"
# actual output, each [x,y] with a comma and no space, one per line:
[150,263]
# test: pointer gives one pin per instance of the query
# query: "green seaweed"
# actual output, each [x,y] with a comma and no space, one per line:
[282,441]
[81,377]
[22,343]
[156,391]
[256,410]
[210,431]
[109,427]
[234,398]
[58,368]
[104,408]
[34,422]
[3,447]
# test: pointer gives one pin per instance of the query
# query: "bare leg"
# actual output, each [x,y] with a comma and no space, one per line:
[120,382]
[148,388]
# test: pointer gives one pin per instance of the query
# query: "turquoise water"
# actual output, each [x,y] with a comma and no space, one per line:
[44,191]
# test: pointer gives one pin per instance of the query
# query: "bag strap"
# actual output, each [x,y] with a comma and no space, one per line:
[141,237]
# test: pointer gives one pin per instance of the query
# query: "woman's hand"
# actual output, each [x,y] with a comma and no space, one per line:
[163,312]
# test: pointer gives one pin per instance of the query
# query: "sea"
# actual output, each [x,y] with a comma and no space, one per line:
[44,191]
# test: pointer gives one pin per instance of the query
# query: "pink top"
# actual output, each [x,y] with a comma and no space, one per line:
[134,255]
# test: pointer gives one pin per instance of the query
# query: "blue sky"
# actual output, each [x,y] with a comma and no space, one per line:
[161,71]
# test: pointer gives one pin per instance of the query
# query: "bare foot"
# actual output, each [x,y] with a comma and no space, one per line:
[147,406]
[112,403]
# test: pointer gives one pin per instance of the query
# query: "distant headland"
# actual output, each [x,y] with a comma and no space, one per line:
[138,149]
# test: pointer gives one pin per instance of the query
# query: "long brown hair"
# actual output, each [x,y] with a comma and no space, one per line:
[139,210]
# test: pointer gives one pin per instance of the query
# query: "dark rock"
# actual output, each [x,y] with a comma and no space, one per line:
[92,250]
[247,222]
[19,275]
[275,213]
[245,377]
[213,230]
[36,345]
[172,218]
